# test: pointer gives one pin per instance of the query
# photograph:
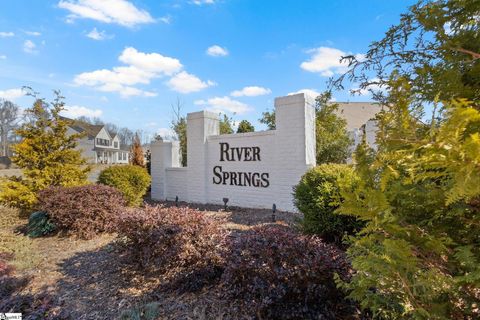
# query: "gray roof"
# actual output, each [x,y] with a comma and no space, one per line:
[357,113]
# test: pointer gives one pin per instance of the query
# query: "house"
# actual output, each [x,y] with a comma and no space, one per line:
[98,145]
[360,122]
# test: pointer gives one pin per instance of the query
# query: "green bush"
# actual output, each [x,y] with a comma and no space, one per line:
[132,181]
[317,196]
[39,224]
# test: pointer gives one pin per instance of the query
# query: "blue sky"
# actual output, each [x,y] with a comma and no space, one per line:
[128,61]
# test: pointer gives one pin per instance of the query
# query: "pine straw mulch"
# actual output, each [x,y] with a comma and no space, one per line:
[90,279]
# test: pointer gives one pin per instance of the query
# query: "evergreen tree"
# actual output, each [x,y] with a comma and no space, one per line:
[46,155]
[138,158]
[245,126]
[419,255]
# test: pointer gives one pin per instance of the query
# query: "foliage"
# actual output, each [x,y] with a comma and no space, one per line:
[46,155]
[418,256]
[132,181]
[83,211]
[281,274]
[332,140]
[39,224]
[226,125]
[245,126]
[435,46]
[171,239]
[138,158]
[268,119]
[317,196]
[179,126]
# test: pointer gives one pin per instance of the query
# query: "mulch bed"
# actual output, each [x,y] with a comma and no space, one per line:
[90,279]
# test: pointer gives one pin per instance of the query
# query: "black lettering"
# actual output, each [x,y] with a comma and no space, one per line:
[217,170]
[248,179]
[226,175]
[247,154]
[239,152]
[224,151]
[265,181]
[256,179]
[256,154]
[233,178]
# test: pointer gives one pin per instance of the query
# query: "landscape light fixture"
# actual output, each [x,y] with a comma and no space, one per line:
[225,201]
[274,209]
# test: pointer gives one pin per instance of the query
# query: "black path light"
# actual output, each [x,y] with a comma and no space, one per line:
[225,201]
[176,201]
[274,209]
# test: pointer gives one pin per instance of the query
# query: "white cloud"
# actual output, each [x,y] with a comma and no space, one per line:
[141,68]
[3,57]
[29,46]
[166,19]
[326,61]
[98,35]
[150,62]
[251,91]
[33,33]
[185,82]
[217,51]
[200,2]
[6,34]
[121,12]
[224,104]
[79,111]
[311,92]
[11,94]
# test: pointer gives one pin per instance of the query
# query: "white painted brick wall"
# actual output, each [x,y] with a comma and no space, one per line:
[286,153]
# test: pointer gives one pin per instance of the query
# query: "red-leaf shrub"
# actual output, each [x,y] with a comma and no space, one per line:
[180,241]
[83,211]
[281,274]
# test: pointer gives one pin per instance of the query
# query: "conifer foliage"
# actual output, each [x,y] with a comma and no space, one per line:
[46,155]
[419,254]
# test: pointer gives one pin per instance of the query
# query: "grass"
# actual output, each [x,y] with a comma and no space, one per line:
[12,242]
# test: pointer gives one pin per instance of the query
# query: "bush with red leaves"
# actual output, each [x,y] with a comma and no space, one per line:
[82,211]
[176,240]
[281,274]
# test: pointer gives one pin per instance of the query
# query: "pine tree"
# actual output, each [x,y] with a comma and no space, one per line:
[46,155]
[138,158]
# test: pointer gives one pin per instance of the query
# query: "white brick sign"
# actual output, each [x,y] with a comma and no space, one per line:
[254,170]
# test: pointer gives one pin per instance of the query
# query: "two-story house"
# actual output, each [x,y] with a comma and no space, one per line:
[98,145]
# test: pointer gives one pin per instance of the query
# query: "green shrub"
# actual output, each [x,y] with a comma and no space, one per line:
[317,196]
[39,224]
[132,181]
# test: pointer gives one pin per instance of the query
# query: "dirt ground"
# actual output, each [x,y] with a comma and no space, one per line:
[90,279]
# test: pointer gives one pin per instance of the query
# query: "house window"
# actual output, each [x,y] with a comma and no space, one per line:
[115,144]
[103,142]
